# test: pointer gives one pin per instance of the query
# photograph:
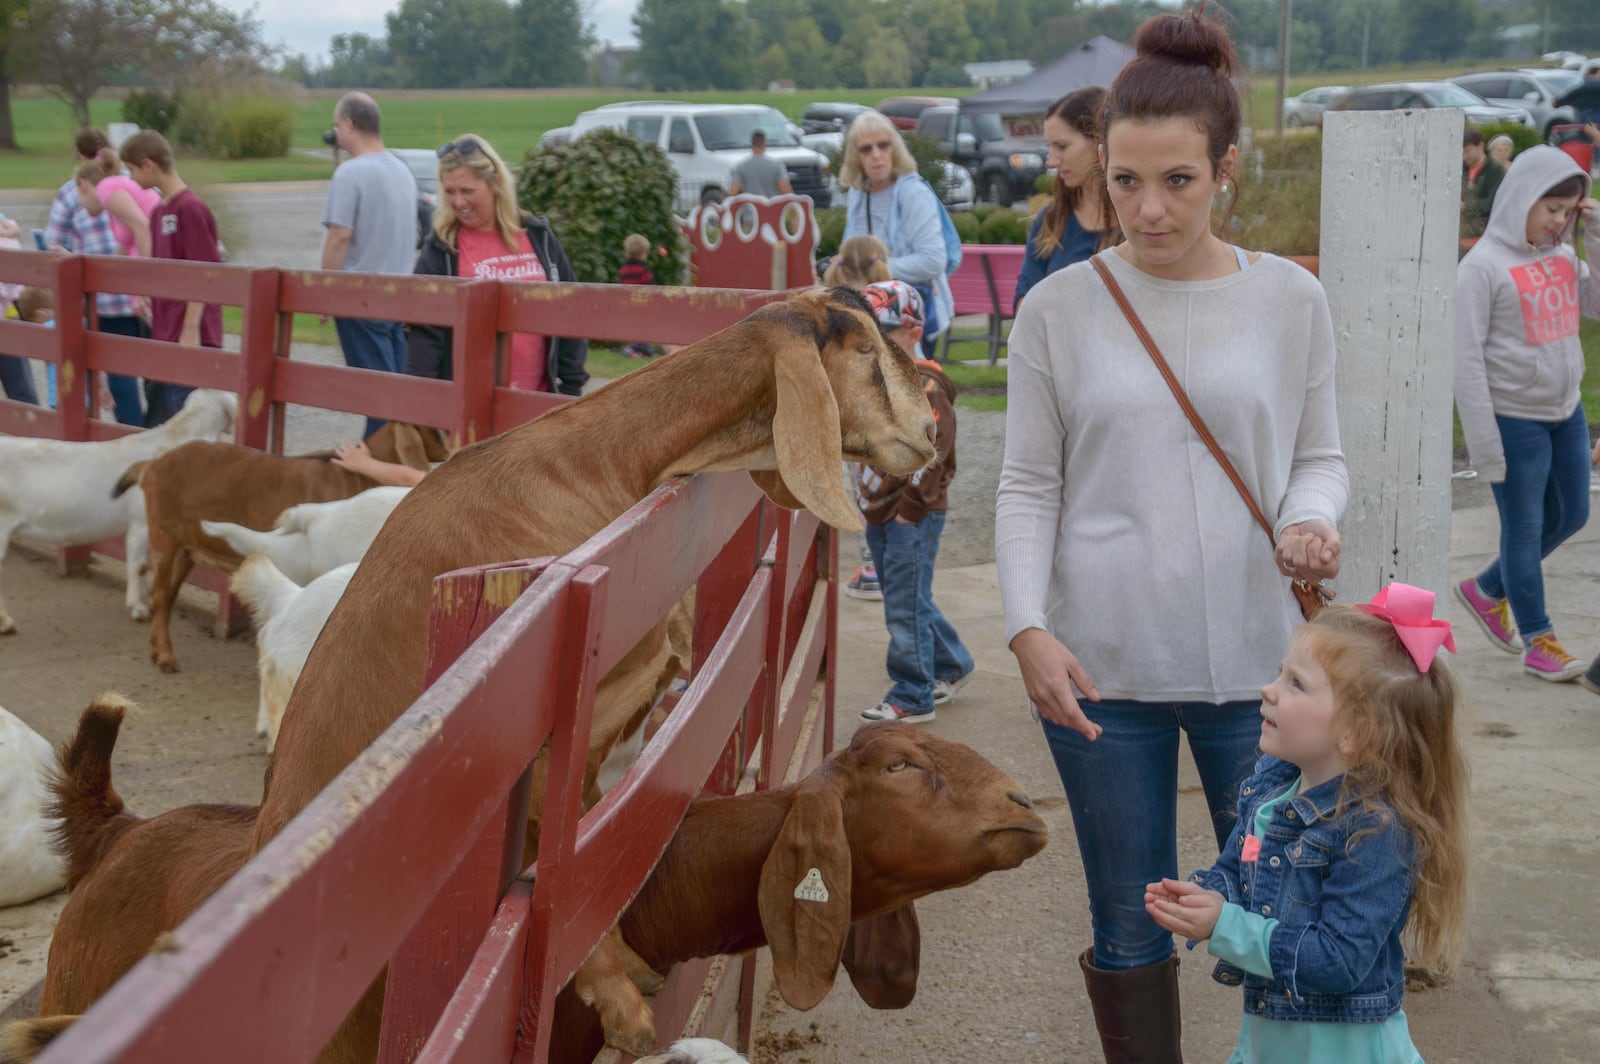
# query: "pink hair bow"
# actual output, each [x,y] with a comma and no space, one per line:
[1410,610]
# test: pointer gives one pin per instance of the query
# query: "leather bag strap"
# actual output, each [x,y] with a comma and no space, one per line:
[1179,394]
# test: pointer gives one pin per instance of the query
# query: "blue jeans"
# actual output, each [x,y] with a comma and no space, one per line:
[16,380]
[1123,790]
[379,345]
[923,644]
[1542,502]
[125,390]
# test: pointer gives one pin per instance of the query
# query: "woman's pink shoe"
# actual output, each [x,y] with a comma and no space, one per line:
[1492,615]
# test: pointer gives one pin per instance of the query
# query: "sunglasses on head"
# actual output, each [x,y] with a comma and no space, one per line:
[879,145]
[464,146]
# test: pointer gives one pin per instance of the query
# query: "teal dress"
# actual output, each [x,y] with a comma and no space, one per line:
[1243,938]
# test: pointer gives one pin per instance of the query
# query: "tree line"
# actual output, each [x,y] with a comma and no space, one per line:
[74,48]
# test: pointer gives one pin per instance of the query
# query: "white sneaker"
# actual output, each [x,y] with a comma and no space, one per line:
[945,690]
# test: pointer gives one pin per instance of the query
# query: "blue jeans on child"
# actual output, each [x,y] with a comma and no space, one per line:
[1542,502]
[923,645]
[125,390]
[379,345]
[1123,790]
[16,380]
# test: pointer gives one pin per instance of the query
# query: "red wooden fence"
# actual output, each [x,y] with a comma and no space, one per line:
[405,859]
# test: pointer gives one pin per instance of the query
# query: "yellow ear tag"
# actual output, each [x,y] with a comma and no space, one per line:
[811,888]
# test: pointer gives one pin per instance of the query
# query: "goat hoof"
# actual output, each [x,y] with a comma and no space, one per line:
[140,614]
[648,980]
[639,1043]
[167,664]
[8,629]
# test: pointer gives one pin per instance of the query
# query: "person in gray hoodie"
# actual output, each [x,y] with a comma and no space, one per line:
[1519,294]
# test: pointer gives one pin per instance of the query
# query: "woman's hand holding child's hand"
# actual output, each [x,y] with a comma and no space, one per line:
[1049,670]
[1184,908]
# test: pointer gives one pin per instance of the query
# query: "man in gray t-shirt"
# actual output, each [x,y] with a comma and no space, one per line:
[371,222]
[759,175]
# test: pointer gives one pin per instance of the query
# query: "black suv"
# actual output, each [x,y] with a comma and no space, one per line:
[1003,168]
[830,117]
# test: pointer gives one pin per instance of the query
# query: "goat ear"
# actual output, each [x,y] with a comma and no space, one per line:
[409,448]
[804,896]
[805,434]
[771,482]
[882,954]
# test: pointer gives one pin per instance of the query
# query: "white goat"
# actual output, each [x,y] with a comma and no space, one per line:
[59,493]
[29,865]
[315,537]
[288,620]
[696,1051]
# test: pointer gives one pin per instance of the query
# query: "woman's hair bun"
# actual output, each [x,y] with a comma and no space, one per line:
[1188,37]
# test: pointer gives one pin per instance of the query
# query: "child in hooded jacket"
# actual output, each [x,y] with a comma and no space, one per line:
[927,662]
[1519,294]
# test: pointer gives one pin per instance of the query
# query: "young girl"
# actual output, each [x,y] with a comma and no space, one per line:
[1351,835]
[1519,362]
[862,260]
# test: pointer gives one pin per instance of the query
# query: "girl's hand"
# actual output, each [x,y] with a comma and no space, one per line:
[1309,551]
[1184,908]
[354,456]
[1049,670]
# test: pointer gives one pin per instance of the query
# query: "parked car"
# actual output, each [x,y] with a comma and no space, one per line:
[1400,95]
[829,117]
[704,142]
[903,111]
[1536,91]
[558,135]
[1003,168]
[1306,109]
[424,166]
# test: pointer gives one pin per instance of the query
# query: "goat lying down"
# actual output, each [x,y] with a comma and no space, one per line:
[786,393]
[29,865]
[898,814]
[314,537]
[60,492]
[225,482]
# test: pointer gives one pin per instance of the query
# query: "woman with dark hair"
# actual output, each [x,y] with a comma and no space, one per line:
[1141,598]
[1072,225]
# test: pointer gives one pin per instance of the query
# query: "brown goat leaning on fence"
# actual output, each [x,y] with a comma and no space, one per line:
[895,816]
[786,394]
[226,482]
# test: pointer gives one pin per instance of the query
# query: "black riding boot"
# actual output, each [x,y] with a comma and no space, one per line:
[1136,1011]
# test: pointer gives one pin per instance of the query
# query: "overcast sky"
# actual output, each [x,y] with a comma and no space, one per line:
[307,25]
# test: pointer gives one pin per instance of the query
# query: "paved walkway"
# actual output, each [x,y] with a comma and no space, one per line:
[999,972]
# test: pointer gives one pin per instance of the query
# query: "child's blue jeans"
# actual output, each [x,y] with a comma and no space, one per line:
[1123,791]
[1542,502]
[923,644]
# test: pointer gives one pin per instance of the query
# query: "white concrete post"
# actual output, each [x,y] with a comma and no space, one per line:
[1391,194]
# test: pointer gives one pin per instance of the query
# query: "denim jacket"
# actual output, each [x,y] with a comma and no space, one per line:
[1335,953]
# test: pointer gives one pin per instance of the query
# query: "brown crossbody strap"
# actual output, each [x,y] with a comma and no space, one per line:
[1179,394]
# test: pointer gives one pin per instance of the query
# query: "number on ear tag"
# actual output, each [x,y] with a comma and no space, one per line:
[811,888]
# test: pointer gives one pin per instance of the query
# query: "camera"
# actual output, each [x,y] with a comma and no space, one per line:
[331,138]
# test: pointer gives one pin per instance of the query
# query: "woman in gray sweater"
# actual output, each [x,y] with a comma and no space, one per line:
[1141,598]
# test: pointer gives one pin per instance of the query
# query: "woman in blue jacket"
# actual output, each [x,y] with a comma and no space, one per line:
[889,200]
[1073,226]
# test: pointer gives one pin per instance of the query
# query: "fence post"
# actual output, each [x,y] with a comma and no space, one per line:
[73,387]
[1391,194]
[474,340]
[258,334]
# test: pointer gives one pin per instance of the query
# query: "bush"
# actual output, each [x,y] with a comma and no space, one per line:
[150,110]
[599,188]
[830,230]
[241,127]
[982,210]
[1522,138]
[966,226]
[1044,184]
[255,128]
[930,161]
[1003,226]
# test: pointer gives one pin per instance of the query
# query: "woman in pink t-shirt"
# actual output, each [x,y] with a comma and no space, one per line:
[478,231]
[103,187]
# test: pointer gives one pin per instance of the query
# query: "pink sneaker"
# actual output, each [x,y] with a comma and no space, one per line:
[1548,660]
[1492,615]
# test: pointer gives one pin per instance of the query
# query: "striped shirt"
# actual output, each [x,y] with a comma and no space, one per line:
[82,233]
[633,271]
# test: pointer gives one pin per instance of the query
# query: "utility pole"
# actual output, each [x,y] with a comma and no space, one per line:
[1283,64]
[1366,35]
